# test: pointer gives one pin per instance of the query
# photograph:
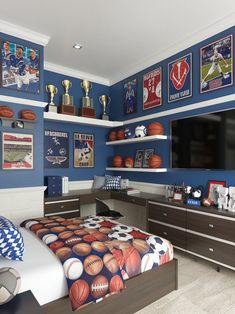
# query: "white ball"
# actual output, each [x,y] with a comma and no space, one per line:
[121,228]
[147,262]
[73,268]
[9,284]
[157,244]
[49,238]
[140,131]
[122,236]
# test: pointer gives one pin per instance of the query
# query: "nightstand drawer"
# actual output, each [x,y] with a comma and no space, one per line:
[61,206]
[218,251]
[170,215]
[216,227]
[175,236]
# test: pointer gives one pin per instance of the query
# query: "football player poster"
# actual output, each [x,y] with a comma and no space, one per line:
[17,151]
[216,64]
[20,67]
[152,91]
[83,150]
[130,97]
[180,78]
[56,149]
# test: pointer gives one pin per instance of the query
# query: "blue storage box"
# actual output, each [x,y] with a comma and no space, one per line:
[54,185]
[193,202]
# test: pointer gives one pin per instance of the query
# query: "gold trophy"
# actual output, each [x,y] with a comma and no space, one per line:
[52,91]
[87,109]
[67,106]
[104,101]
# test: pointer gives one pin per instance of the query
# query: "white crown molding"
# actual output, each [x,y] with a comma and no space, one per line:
[74,73]
[197,105]
[22,101]
[24,33]
[198,36]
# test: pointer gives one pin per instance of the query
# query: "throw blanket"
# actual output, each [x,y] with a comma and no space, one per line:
[98,254]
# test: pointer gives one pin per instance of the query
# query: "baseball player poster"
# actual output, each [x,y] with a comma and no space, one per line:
[180,78]
[20,67]
[152,89]
[216,64]
[83,150]
[56,149]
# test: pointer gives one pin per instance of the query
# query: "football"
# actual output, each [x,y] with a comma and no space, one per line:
[122,236]
[99,286]
[78,293]
[9,284]
[28,115]
[157,245]
[6,112]
[73,240]
[140,131]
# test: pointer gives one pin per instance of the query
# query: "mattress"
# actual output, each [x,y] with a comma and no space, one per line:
[41,271]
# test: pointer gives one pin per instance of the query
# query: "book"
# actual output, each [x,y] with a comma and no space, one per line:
[131,191]
[65,185]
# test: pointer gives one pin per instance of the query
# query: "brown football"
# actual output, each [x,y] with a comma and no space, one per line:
[116,284]
[99,286]
[65,234]
[133,261]
[93,264]
[28,115]
[78,293]
[73,240]
[6,112]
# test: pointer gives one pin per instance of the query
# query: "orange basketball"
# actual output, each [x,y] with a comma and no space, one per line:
[129,162]
[155,161]
[78,293]
[6,112]
[155,128]
[120,134]
[28,115]
[133,261]
[117,161]
[112,136]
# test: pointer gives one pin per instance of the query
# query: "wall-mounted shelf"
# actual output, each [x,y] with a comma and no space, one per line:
[81,120]
[22,101]
[138,139]
[8,122]
[137,169]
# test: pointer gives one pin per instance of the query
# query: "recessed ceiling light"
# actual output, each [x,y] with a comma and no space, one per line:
[77,46]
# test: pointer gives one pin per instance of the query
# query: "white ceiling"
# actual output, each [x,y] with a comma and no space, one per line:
[119,36]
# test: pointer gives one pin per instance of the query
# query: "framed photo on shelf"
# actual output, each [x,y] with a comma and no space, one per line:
[17,151]
[180,78]
[147,153]
[130,97]
[83,150]
[139,155]
[216,64]
[20,67]
[152,89]
[212,193]
[56,149]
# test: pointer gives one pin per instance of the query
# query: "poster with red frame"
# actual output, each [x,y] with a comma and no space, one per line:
[152,89]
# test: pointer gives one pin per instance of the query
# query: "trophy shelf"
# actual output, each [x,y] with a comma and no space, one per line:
[81,120]
[149,138]
[137,169]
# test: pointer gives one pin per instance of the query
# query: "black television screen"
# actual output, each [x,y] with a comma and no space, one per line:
[204,142]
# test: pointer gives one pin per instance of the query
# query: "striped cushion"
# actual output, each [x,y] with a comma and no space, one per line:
[11,241]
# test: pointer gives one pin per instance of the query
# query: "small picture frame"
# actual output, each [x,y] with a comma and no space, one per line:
[83,150]
[139,158]
[178,197]
[147,153]
[212,193]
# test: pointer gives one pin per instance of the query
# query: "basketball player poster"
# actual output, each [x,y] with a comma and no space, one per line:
[130,97]
[216,64]
[152,89]
[180,78]
[83,150]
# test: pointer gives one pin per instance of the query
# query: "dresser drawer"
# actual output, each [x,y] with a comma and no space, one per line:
[175,236]
[52,207]
[170,215]
[216,227]
[129,198]
[218,251]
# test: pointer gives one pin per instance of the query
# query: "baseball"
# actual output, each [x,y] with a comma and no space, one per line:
[73,268]
[93,265]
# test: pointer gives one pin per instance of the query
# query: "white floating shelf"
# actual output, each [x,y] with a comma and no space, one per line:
[137,169]
[149,138]
[81,120]
[22,101]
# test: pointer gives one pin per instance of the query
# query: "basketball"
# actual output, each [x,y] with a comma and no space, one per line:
[117,161]
[155,161]
[56,245]
[155,128]
[112,136]
[28,115]
[9,284]
[99,286]
[78,293]
[73,268]
[111,263]
[82,249]
[100,236]
[120,134]
[116,284]
[132,261]
[6,112]
[141,246]
[89,238]
[93,265]
[129,162]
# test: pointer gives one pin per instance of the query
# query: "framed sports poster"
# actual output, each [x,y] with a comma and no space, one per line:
[17,151]
[20,67]
[83,150]
[139,155]
[180,78]
[130,97]
[152,89]
[216,64]
[212,190]
[147,153]
[56,149]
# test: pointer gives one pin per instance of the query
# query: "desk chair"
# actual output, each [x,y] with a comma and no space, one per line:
[103,209]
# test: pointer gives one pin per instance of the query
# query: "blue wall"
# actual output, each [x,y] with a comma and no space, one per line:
[193,177]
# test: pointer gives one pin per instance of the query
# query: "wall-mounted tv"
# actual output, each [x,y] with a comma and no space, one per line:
[204,142]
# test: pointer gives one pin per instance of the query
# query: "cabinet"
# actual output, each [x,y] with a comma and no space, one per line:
[67,208]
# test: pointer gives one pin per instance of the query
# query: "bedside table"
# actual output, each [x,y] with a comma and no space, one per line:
[23,303]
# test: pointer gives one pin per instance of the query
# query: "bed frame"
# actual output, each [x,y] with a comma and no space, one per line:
[141,291]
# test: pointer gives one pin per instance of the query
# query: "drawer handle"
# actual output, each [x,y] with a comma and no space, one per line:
[211,226]
[210,249]
[165,214]
[62,206]
[164,232]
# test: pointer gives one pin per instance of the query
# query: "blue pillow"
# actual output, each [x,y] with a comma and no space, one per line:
[112,182]
[11,240]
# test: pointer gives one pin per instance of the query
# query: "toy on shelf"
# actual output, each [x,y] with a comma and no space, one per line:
[223,197]
[231,203]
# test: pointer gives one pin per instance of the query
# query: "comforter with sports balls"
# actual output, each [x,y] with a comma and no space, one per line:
[99,254]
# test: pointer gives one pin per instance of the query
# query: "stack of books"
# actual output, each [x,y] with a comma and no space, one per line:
[130,191]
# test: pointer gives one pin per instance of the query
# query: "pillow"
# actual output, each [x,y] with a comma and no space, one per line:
[98,182]
[11,240]
[112,183]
